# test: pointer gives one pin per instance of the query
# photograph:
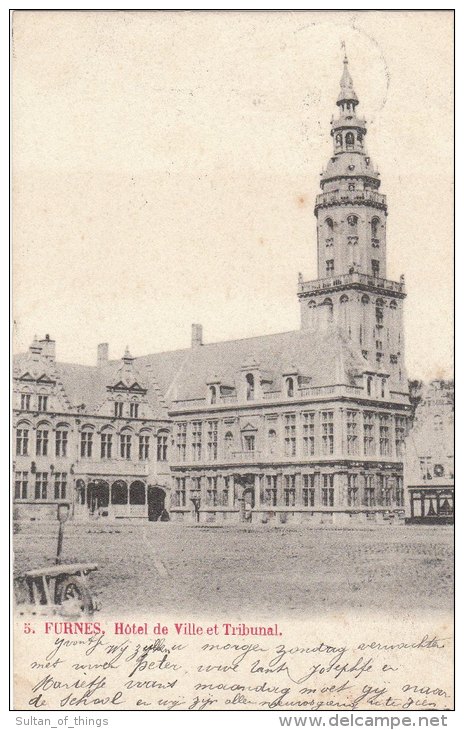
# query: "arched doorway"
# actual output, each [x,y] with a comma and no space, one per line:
[98,498]
[156,498]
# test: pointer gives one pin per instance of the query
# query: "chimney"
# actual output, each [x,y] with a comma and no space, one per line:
[197,335]
[48,348]
[102,354]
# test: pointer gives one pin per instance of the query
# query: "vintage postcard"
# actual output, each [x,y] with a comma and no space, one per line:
[233,393]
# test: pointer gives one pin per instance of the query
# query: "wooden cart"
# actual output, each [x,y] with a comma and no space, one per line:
[62,589]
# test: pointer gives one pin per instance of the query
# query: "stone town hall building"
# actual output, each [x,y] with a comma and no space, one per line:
[298,426]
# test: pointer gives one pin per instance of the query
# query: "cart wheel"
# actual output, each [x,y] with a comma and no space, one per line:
[74,592]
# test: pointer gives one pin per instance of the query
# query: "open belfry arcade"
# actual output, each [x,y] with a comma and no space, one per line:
[301,426]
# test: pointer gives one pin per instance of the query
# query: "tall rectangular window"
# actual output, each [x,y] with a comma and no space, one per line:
[309,490]
[399,492]
[290,434]
[270,491]
[25,401]
[144,446]
[425,463]
[212,440]
[329,267]
[375,267]
[327,490]
[181,441]
[352,490]
[126,445]
[118,406]
[352,432]
[196,440]
[327,423]
[368,426]
[86,444]
[226,490]
[309,434]
[400,431]
[21,478]
[60,485]
[162,446]
[385,491]
[61,443]
[211,491]
[42,442]
[369,490]
[133,410]
[180,496]
[289,490]
[384,432]
[249,442]
[106,445]
[22,441]
[41,485]
[42,403]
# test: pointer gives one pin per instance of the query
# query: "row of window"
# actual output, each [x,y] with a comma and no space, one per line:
[42,406]
[111,445]
[42,402]
[353,221]
[353,242]
[363,490]
[43,486]
[330,267]
[315,431]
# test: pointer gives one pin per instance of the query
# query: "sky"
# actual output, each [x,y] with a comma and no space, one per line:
[165,167]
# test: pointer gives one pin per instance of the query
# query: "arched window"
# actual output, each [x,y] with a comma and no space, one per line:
[369,385]
[125,444]
[22,439]
[338,139]
[359,137]
[349,139]
[344,311]
[229,441]
[250,382]
[290,387]
[162,446]
[212,394]
[375,229]
[272,439]
[61,440]
[329,224]
[86,442]
[106,443]
[328,308]
[393,305]
[379,311]
[353,220]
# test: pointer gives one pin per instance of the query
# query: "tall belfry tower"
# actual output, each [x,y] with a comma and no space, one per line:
[352,292]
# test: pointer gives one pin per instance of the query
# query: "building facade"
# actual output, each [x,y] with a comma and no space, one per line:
[299,426]
[429,462]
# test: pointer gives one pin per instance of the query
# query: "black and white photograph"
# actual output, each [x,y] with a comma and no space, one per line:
[232,372]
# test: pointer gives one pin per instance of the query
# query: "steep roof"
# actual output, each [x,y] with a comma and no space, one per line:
[321,358]
[326,358]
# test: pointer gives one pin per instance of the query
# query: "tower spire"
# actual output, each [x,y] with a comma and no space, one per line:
[347,92]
